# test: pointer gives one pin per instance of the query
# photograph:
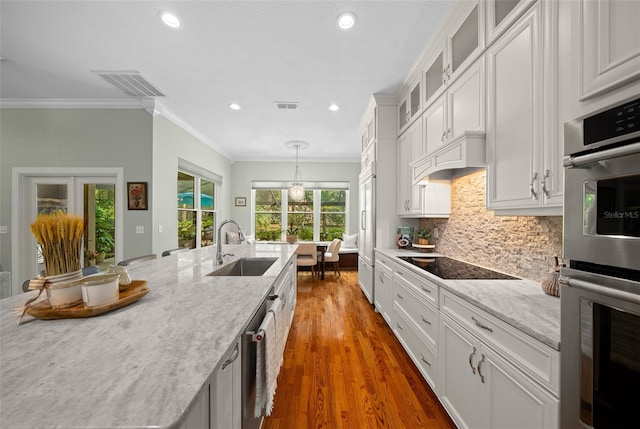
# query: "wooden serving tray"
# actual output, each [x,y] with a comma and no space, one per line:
[43,310]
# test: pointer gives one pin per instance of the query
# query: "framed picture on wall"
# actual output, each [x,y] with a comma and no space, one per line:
[241,201]
[137,195]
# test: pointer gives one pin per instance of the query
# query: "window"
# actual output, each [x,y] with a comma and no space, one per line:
[321,216]
[333,215]
[196,211]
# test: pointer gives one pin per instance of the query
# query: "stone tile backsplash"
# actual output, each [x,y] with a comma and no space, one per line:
[523,246]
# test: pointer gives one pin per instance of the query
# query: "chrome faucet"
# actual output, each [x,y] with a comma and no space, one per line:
[219,254]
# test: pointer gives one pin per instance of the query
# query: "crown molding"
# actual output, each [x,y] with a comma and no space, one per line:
[78,104]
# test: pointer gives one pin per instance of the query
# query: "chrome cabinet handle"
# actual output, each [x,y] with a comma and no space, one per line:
[532,192]
[473,368]
[399,326]
[448,132]
[424,359]
[480,325]
[234,356]
[444,133]
[425,320]
[362,220]
[400,296]
[545,191]
[424,289]
[480,368]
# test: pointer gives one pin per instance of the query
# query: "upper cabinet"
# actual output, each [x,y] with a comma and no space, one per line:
[461,43]
[524,172]
[409,107]
[501,14]
[610,48]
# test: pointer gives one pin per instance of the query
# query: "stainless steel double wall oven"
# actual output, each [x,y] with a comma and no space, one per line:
[600,294]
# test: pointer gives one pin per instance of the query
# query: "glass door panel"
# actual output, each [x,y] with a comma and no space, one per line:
[98,211]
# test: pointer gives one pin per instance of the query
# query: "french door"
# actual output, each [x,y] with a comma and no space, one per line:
[95,197]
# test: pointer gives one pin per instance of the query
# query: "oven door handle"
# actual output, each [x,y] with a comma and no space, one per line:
[595,288]
[616,152]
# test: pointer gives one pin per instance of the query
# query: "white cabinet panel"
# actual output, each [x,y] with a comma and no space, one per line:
[610,32]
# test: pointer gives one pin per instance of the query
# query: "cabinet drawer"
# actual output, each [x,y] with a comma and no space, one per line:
[537,360]
[423,315]
[421,355]
[423,287]
[385,264]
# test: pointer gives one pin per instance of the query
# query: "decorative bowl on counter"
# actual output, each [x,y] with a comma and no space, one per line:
[99,289]
[62,290]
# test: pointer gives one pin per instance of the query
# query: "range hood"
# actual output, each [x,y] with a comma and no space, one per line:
[466,151]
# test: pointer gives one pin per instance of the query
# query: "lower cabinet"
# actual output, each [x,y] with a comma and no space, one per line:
[480,389]
[226,394]
[384,287]
[219,404]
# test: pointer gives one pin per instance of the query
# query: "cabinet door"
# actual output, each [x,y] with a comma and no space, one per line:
[383,294]
[434,82]
[610,32]
[514,91]
[465,40]
[501,14]
[434,126]
[458,356]
[510,400]
[226,398]
[409,148]
[465,102]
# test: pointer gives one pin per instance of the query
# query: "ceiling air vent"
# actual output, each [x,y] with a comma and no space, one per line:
[131,83]
[287,105]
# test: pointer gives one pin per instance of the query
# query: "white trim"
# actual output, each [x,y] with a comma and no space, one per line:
[18,176]
[77,104]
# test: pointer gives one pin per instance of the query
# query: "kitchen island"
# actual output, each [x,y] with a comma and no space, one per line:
[140,366]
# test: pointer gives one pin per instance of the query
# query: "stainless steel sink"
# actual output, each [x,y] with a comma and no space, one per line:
[245,267]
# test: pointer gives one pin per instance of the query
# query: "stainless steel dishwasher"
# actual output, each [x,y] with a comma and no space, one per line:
[249,356]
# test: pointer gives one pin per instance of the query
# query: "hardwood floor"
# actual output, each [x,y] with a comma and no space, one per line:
[344,368]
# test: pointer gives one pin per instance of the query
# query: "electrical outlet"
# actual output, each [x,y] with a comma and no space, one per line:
[3,230]
[160,229]
[140,229]
[436,234]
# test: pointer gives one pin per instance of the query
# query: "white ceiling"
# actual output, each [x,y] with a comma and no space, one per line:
[249,52]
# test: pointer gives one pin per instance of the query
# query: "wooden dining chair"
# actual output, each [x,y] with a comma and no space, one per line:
[331,255]
[307,256]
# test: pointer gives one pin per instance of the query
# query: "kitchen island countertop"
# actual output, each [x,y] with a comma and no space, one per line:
[141,365]
[520,303]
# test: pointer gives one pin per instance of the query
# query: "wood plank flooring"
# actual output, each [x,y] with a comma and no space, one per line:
[344,368]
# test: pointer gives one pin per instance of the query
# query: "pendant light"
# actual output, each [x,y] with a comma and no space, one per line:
[296,191]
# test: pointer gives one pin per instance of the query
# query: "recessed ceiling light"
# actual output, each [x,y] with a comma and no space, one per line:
[346,21]
[334,107]
[234,106]
[170,19]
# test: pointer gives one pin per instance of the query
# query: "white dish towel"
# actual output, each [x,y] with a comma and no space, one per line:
[269,358]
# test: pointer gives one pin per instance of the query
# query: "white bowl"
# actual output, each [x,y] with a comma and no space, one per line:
[64,295]
[99,289]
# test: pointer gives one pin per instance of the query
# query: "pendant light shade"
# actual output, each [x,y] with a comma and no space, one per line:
[296,192]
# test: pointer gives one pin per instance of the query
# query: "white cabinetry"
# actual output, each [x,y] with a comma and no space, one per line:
[610,48]
[501,14]
[384,287]
[460,109]
[491,375]
[285,288]
[524,172]
[226,395]
[415,320]
[219,403]
[409,106]
[409,149]
[377,218]
[481,389]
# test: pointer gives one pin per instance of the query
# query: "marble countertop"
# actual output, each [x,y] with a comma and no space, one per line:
[520,303]
[136,367]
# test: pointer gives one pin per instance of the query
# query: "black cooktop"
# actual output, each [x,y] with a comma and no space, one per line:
[451,269]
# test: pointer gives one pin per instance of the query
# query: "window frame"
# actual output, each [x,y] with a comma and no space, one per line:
[316,212]
[197,206]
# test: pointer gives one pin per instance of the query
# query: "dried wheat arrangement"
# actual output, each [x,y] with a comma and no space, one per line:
[60,236]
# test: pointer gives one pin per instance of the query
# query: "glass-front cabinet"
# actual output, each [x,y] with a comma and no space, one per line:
[501,14]
[409,107]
